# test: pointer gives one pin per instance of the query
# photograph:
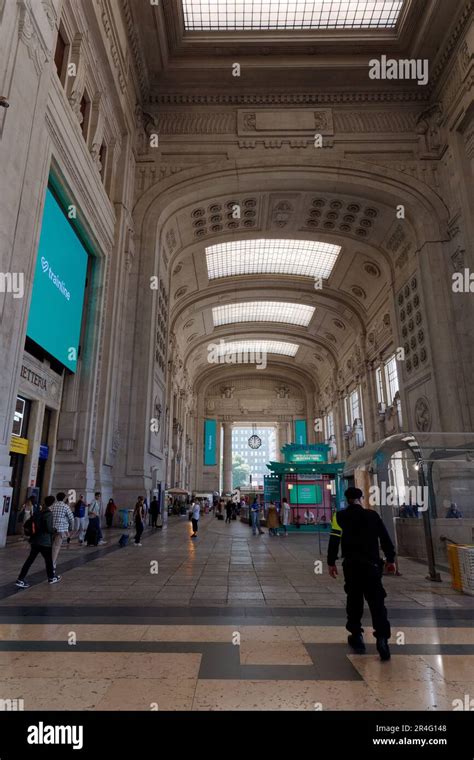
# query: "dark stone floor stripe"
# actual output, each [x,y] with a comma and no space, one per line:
[221,660]
[225,615]
[330,665]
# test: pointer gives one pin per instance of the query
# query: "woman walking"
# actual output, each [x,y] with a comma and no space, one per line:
[272,519]
[138,518]
[285,515]
[109,512]
[195,515]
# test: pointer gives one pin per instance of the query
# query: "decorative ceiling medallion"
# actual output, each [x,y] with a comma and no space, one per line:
[371,269]
[340,325]
[358,292]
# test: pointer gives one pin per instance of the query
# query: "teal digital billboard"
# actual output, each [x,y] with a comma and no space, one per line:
[210,442]
[58,288]
[305,494]
[300,432]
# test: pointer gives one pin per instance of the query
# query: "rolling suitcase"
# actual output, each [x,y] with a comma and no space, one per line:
[92,536]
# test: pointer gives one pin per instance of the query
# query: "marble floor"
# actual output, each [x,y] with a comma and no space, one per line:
[226,622]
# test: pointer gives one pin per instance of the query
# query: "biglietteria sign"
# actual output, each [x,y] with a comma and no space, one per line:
[295,453]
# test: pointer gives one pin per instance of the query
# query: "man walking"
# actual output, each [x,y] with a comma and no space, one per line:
[80,518]
[359,531]
[154,512]
[95,514]
[41,539]
[63,522]
[255,518]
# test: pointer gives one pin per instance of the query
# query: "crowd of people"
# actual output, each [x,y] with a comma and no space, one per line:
[60,519]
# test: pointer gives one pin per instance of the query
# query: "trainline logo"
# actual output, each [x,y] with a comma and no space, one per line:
[403,68]
[55,279]
[41,734]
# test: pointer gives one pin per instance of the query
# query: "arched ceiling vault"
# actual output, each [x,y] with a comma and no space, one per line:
[351,205]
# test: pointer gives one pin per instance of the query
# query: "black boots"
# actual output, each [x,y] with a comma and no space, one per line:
[356,642]
[383,649]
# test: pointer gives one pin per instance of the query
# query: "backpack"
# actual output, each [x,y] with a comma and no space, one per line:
[123,540]
[32,526]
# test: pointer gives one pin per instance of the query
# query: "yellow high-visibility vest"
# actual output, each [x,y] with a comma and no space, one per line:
[336,529]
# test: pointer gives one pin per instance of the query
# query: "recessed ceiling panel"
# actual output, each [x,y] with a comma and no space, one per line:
[263,311]
[235,15]
[246,347]
[306,258]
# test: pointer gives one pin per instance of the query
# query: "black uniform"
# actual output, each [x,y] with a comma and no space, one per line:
[359,531]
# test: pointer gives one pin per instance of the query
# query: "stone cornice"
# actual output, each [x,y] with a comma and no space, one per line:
[450,45]
[136,49]
[290,98]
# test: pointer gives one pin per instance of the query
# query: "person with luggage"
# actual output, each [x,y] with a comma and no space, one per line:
[110,510]
[63,522]
[80,518]
[94,535]
[359,532]
[155,512]
[139,519]
[195,516]
[40,531]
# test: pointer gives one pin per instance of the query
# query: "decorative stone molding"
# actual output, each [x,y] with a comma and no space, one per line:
[457,259]
[116,440]
[50,12]
[374,121]
[285,123]
[78,82]
[451,44]
[30,34]
[432,138]
[117,59]
[213,123]
[423,415]
[290,98]
[136,48]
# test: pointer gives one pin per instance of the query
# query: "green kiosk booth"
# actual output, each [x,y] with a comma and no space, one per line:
[313,487]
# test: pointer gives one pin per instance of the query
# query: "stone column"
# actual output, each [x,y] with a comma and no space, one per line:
[227,457]
[282,435]
[30,465]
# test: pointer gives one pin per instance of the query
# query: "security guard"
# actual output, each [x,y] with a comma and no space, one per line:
[359,531]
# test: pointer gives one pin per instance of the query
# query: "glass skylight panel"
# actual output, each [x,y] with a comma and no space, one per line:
[307,258]
[241,15]
[257,347]
[263,311]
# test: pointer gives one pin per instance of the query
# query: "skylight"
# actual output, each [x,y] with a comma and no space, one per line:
[240,15]
[241,347]
[263,311]
[306,258]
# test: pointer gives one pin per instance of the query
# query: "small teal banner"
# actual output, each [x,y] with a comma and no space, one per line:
[210,442]
[300,432]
